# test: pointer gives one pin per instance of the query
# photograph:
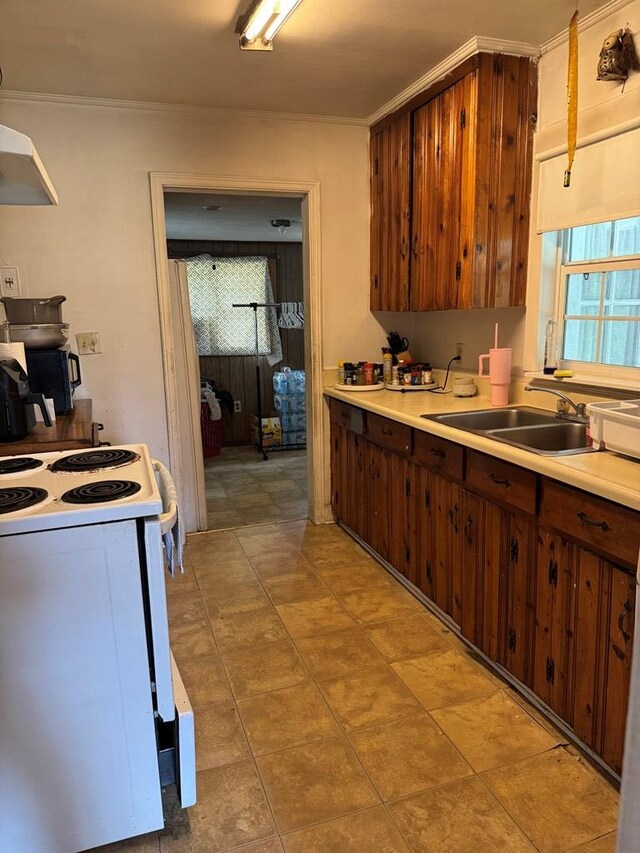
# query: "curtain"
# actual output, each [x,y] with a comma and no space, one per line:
[214,285]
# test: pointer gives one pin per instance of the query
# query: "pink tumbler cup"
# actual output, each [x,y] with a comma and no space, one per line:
[499,374]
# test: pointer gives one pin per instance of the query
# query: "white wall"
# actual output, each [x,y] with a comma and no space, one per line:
[97,248]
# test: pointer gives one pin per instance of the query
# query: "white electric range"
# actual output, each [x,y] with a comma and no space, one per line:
[94,717]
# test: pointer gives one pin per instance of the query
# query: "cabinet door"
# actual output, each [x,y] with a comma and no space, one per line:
[424,217]
[390,155]
[443,194]
[492,591]
[377,467]
[553,622]
[397,502]
[357,513]
[339,471]
[472,560]
[587,645]
[426,531]
[619,640]
[448,546]
[520,580]
[507,88]
[412,493]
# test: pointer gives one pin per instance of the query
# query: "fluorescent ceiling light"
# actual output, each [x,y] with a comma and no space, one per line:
[263,21]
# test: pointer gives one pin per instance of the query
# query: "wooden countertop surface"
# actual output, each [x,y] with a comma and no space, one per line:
[69,432]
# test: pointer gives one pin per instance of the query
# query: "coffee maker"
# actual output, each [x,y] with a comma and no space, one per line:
[17,417]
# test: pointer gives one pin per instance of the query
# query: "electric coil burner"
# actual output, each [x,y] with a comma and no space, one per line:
[11,500]
[18,464]
[95,460]
[101,492]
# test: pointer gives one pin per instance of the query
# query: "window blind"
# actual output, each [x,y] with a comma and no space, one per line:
[605,184]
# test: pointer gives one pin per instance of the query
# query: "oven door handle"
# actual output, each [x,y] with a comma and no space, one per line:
[169,497]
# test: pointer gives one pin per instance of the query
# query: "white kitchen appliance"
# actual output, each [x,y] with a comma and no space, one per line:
[93,713]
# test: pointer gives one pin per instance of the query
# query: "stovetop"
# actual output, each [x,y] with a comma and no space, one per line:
[44,491]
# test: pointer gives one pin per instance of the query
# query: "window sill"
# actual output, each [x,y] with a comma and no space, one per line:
[623,388]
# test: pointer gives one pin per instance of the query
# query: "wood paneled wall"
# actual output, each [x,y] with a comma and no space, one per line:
[237,374]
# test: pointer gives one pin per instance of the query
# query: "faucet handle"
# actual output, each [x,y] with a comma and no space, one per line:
[562,406]
[581,409]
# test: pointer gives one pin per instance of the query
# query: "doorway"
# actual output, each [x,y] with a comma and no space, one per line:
[237,252]
[237,485]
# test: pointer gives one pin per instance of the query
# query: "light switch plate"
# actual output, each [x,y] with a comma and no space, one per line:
[9,281]
[88,343]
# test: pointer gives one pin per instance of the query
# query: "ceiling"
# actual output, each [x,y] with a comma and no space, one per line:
[241,217]
[331,58]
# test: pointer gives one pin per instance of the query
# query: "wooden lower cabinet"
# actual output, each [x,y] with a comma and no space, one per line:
[520,591]
[389,492]
[584,620]
[348,479]
[557,615]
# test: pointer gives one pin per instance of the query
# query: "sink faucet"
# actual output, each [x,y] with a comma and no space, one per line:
[563,404]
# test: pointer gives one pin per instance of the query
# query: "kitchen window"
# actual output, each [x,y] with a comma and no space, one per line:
[598,297]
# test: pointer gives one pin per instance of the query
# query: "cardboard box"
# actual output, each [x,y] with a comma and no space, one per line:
[271,431]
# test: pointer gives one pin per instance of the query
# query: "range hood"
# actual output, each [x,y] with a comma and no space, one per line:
[23,178]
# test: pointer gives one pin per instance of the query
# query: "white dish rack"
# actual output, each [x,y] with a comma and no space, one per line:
[615,425]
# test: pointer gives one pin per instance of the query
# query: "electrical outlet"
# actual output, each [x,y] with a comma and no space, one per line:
[88,343]
[460,350]
[9,281]
[237,405]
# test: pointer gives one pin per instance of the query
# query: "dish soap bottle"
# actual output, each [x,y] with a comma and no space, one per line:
[550,348]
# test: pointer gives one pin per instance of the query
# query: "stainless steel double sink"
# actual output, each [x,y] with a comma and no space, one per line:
[522,426]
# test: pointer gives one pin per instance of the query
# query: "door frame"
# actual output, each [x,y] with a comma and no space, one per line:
[309,194]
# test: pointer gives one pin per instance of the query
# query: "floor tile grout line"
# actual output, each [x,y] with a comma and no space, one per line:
[507,812]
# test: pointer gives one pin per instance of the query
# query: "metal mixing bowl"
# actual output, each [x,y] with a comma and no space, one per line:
[41,335]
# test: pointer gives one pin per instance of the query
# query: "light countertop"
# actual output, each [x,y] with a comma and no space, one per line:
[606,474]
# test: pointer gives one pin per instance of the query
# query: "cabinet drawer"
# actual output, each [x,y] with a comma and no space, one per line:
[608,527]
[440,455]
[389,434]
[347,416]
[507,483]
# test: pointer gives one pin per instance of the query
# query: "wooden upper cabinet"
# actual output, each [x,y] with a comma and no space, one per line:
[440,212]
[469,183]
[390,155]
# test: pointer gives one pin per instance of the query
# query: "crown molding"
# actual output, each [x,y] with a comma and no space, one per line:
[182,109]
[584,23]
[477,44]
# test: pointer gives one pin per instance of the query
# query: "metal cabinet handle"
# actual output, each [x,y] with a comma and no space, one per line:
[468,525]
[414,248]
[403,249]
[627,608]
[439,453]
[586,521]
[499,481]
[386,431]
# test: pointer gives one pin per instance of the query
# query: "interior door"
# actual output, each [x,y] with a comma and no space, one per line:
[190,483]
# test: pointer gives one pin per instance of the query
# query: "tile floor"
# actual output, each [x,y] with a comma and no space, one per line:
[334,714]
[244,489]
